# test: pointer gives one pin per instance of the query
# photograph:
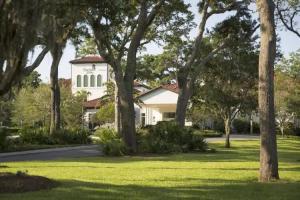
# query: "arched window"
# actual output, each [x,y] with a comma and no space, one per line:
[78,81]
[85,81]
[99,81]
[92,81]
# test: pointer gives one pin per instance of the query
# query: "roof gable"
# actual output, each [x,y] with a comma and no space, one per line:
[88,59]
[171,87]
[159,96]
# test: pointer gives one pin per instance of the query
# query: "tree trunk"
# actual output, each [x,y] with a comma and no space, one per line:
[182,103]
[268,147]
[185,92]
[282,131]
[117,111]
[227,125]
[55,90]
[251,124]
[127,113]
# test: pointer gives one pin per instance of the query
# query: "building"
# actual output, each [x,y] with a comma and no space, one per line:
[90,74]
[158,104]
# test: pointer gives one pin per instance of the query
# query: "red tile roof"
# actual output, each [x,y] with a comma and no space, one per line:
[172,87]
[88,59]
[65,82]
[95,103]
[139,84]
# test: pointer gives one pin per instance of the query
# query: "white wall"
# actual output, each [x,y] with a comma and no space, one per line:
[156,103]
[154,113]
[87,69]
[160,96]
[87,114]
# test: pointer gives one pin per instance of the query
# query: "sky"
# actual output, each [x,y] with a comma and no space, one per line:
[289,43]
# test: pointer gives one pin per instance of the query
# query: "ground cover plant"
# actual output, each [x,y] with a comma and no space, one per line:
[164,137]
[226,174]
[39,138]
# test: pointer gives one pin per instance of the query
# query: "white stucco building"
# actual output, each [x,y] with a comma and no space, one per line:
[158,104]
[90,74]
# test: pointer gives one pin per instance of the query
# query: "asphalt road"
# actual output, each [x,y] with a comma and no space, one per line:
[81,151]
[234,137]
[50,154]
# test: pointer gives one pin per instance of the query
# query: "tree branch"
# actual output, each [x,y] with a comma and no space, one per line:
[231,7]
[154,11]
[27,70]
[290,28]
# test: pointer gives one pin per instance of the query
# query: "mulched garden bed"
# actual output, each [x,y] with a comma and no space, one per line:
[22,182]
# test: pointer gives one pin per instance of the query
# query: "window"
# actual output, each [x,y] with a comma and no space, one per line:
[168,116]
[143,119]
[92,81]
[78,81]
[85,81]
[93,67]
[99,81]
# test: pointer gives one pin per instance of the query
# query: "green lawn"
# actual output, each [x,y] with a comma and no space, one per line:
[227,174]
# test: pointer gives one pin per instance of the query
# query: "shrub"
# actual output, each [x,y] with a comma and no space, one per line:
[142,134]
[241,126]
[3,141]
[207,133]
[63,136]
[35,136]
[168,137]
[76,136]
[219,125]
[297,131]
[198,143]
[255,126]
[111,143]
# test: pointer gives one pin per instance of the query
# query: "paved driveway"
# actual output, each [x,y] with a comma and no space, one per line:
[81,151]
[50,154]
[234,137]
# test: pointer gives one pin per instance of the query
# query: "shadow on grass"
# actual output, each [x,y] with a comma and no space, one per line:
[213,189]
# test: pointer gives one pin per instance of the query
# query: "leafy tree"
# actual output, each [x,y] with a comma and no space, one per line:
[290,65]
[192,59]
[284,85]
[6,101]
[199,115]
[268,148]
[62,17]
[32,107]
[287,88]
[20,25]
[156,70]
[33,80]
[293,100]
[229,83]
[87,47]
[106,114]
[71,108]
[5,110]
[120,33]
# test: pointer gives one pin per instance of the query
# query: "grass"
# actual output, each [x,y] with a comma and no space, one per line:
[227,174]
